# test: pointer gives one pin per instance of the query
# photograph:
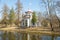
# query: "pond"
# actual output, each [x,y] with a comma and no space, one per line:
[26,36]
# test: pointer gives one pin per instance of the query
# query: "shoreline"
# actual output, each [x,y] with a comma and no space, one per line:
[14,29]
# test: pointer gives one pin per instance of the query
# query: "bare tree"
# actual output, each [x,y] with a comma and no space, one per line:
[51,11]
[5,14]
[18,9]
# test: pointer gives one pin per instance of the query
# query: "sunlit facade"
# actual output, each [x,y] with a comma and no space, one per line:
[26,19]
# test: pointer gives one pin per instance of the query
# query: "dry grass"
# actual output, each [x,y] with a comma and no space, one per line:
[30,30]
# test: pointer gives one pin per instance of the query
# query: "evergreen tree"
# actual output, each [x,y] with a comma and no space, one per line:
[12,16]
[34,19]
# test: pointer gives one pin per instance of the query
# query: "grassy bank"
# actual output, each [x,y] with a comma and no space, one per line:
[30,30]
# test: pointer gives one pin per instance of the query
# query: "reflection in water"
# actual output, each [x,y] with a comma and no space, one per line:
[25,36]
[8,36]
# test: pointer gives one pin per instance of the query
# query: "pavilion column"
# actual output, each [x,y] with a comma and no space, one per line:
[27,22]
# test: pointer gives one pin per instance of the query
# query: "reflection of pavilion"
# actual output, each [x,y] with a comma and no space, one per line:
[26,19]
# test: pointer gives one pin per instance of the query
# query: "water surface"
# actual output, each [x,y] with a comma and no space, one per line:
[26,36]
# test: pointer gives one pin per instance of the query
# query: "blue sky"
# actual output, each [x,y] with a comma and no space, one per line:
[34,5]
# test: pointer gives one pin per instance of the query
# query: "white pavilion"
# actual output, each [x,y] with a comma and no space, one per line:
[26,19]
